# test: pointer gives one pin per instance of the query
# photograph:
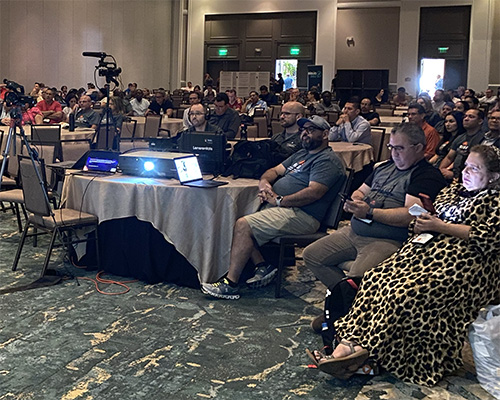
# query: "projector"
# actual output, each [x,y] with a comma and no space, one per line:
[150,163]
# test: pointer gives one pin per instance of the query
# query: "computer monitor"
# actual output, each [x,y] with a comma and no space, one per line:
[210,148]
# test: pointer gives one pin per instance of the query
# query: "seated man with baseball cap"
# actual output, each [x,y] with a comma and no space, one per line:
[295,196]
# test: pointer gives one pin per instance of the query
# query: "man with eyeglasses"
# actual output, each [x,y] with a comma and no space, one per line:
[289,140]
[161,105]
[492,137]
[296,195]
[351,127]
[227,119]
[194,98]
[199,122]
[379,225]
[452,165]
[85,116]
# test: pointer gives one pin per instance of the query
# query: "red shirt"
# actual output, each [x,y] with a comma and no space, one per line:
[55,106]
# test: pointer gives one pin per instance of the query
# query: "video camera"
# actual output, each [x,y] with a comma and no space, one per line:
[16,96]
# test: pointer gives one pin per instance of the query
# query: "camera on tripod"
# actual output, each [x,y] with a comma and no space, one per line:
[16,96]
[109,70]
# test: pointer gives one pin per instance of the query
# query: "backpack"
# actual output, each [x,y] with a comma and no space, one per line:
[250,159]
[338,301]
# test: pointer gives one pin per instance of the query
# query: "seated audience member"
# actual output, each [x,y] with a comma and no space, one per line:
[379,206]
[194,98]
[469,93]
[71,103]
[297,194]
[453,127]
[85,116]
[472,101]
[126,102]
[252,103]
[412,312]
[131,88]
[234,101]
[402,98]
[453,164]
[209,96]
[35,92]
[5,114]
[147,94]
[492,137]
[431,117]
[31,115]
[445,110]
[63,92]
[161,105]
[379,98]
[209,88]
[295,96]
[488,98]
[313,98]
[139,104]
[367,112]
[189,87]
[416,115]
[438,101]
[227,119]
[290,139]
[326,105]
[268,97]
[199,123]
[351,127]
[51,109]
[461,106]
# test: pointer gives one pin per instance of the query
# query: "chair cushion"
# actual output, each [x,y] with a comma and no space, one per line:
[64,217]
[12,196]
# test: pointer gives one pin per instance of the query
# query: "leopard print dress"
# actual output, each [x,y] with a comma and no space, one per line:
[413,310]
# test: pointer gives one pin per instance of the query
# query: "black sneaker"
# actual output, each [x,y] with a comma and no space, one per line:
[221,289]
[263,276]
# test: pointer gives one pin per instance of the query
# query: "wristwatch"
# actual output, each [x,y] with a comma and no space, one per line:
[278,201]
[369,214]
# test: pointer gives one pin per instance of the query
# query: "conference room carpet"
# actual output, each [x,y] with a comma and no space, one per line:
[67,341]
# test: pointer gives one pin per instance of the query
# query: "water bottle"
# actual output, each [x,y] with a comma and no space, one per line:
[71,122]
[243,132]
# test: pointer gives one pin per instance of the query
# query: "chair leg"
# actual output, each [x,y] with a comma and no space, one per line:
[279,273]
[98,257]
[18,217]
[20,246]
[49,252]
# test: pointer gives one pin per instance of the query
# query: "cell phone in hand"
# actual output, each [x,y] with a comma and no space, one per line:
[345,197]
[427,203]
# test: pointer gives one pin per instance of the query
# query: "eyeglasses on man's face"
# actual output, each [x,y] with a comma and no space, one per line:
[310,129]
[399,149]
[197,113]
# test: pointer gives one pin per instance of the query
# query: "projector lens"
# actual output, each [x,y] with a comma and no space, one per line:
[149,166]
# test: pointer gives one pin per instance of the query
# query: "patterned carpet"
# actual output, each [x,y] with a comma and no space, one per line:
[68,341]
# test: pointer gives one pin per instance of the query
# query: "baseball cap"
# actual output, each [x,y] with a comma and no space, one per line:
[316,121]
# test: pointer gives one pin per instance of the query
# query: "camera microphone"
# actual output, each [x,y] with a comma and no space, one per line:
[94,54]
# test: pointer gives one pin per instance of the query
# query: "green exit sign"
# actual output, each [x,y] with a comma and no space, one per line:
[222,52]
[294,51]
[443,50]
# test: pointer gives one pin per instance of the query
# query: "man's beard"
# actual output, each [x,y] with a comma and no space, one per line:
[311,144]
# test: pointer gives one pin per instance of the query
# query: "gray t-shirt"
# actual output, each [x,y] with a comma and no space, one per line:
[86,118]
[302,167]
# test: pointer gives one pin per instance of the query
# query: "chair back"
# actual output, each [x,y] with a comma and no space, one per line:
[46,134]
[16,148]
[332,117]
[128,129]
[275,113]
[261,123]
[35,199]
[104,139]
[334,212]
[276,127]
[259,112]
[72,150]
[378,135]
[152,126]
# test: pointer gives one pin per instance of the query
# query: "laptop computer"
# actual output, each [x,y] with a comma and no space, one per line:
[100,162]
[189,173]
[209,146]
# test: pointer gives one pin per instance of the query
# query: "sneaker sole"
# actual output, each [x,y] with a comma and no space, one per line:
[220,296]
[263,282]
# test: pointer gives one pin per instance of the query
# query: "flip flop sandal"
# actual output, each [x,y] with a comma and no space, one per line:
[316,355]
[345,367]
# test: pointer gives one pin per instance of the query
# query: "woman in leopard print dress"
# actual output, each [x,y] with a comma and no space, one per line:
[412,311]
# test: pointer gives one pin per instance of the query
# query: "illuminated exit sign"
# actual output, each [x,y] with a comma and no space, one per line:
[443,50]
[222,52]
[294,51]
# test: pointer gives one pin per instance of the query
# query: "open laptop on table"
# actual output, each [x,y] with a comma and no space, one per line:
[100,162]
[189,173]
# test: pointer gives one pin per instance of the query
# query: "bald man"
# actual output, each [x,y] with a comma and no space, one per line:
[85,116]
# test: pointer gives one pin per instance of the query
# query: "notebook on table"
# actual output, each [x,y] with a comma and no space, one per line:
[189,173]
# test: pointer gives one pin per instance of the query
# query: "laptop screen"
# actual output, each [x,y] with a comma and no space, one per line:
[96,163]
[188,169]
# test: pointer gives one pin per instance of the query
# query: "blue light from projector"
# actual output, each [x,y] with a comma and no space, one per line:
[149,166]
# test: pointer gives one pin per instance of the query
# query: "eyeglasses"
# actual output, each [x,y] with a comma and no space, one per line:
[197,113]
[398,149]
[494,118]
[286,114]
[310,129]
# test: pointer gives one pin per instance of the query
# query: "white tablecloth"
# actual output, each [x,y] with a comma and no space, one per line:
[198,222]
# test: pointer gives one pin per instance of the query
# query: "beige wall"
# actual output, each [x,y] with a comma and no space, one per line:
[43,40]
[495,46]
[376,35]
